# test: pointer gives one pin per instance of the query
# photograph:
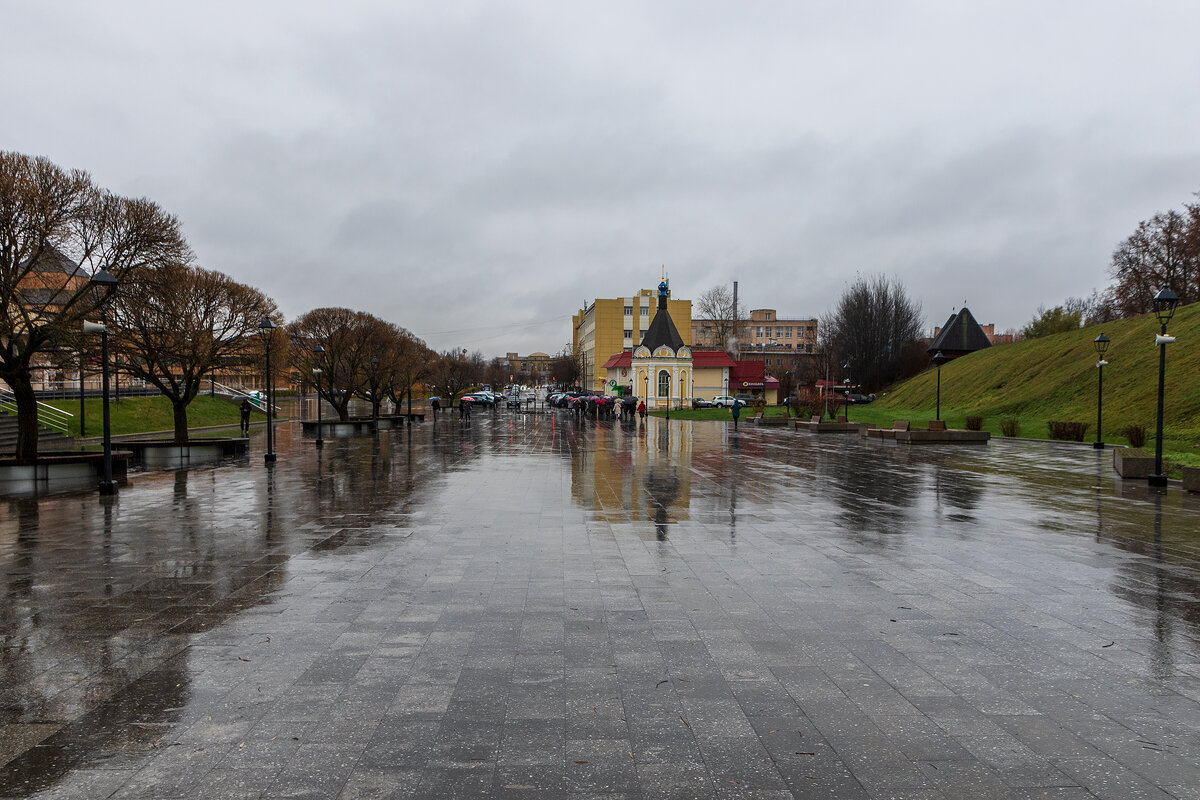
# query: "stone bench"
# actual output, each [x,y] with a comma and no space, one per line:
[1191,479]
[887,433]
[1130,463]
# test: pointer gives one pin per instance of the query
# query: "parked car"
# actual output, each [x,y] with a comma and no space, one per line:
[482,398]
[700,402]
[722,401]
[860,399]
[745,399]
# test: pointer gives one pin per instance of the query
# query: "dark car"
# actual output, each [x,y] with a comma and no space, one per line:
[700,402]
[860,399]
[480,398]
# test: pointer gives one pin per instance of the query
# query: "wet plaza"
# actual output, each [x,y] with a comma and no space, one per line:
[535,607]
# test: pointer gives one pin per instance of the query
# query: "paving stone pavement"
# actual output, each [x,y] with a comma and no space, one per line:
[530,607]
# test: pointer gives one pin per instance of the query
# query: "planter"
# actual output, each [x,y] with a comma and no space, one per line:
[58,473]
[1191,479]
[1131,463]
[166,454]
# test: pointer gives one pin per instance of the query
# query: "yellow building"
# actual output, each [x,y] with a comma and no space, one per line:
[606,327]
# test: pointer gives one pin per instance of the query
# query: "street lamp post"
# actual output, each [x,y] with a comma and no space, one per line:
[1164,308]
[375,394]
[104,282]
[82,423]
[846,367]
[266,329]
[318,351]
[1101,343]
[939,358]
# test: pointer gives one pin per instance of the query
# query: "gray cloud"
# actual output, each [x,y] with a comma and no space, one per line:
[476,171]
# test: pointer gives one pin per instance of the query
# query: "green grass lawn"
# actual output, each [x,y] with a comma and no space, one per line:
[146,414]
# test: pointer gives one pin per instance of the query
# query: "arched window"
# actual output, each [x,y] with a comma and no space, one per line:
[664,383]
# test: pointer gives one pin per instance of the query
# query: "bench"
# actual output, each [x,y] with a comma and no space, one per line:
[937,425]
[900,425]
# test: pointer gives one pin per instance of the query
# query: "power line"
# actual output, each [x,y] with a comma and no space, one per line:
[504,326]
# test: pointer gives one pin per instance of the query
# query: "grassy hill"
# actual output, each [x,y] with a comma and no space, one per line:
[144,414]
[1054,378]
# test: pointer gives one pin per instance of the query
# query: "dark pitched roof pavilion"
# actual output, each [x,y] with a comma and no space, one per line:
[662,330]
[960,335]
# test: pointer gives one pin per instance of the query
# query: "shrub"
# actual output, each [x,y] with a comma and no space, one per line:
[1136,434]
[1068,431]
[974,423]
[1010,427]
[804,411]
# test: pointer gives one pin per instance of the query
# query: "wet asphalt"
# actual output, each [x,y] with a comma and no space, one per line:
[537,607]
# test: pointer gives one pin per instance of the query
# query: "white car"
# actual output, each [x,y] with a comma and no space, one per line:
[723,401]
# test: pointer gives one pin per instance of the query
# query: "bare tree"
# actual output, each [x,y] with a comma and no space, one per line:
[1163,251]
[345,336]
[724,322]
[177,323]
[56,231]
[495,374]
[412,364]
[454,372]
[870,328]
[566,368]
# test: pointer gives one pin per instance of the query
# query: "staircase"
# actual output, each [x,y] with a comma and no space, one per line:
[47,439]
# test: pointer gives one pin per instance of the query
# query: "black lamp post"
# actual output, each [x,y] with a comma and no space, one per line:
[939,358]
[375,394]
[1164,308]
[266,329]
[846,367]
[1101,343]
[105,283]
[318,351]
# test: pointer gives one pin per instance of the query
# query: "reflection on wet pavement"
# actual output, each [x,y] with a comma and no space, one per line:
[534,606]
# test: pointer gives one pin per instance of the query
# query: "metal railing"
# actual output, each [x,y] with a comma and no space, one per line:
[257,399]
[48,416]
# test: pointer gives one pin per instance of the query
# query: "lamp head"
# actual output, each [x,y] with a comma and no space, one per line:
[1164,304]
[939,358]
[266,326]
[104,285]
[1101,343]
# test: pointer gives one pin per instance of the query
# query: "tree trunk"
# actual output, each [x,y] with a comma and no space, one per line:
[179,411]
[27,413]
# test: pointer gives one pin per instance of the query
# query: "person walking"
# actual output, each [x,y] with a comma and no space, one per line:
[246,408]
[434,404]
[736,410]
[642,410]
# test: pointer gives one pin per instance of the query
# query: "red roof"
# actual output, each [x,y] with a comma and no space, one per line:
[701,359]
[711,359]
[747,371]
[621,359]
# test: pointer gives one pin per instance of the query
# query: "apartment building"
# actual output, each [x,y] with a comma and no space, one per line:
[533,368]
[764,328]
[605,327]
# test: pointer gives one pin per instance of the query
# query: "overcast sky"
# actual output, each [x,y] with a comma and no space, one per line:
[476,171]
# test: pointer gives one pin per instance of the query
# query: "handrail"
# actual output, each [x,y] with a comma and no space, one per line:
[48,416]
[258,402]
